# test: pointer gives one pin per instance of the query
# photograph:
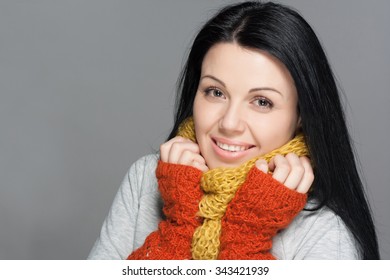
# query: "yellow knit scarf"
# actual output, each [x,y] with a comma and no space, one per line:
[219,186]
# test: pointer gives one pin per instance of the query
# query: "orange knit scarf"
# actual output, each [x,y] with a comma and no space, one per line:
[219,186]
[225,213]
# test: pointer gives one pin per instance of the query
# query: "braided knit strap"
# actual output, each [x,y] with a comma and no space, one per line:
[179,186]
[261,207]
[220,186]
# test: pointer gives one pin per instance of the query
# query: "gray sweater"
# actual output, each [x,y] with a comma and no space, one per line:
[137,210]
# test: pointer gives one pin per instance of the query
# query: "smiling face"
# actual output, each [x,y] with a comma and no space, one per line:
[245,105]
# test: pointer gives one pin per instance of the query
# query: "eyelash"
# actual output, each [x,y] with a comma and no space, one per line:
[211,91]
[263,99]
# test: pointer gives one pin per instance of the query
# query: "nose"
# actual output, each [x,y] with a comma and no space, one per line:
[231,121]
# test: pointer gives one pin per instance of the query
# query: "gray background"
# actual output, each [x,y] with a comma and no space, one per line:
[87,87]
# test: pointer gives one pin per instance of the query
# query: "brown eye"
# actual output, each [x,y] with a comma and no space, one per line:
[263,103]
[214,92]
[217,93]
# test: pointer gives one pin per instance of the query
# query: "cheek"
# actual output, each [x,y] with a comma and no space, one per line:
[199,117]
[204,114]
[275,130]
[197,113]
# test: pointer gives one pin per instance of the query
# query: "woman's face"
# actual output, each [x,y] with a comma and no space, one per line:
[245,105]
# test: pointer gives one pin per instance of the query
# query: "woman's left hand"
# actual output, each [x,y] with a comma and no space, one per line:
[296,173]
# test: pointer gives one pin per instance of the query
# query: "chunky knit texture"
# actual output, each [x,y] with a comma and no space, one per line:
[222,235]
[181,193]
[261,207]
[219,186]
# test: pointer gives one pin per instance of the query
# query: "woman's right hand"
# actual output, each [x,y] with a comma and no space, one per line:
[180,150]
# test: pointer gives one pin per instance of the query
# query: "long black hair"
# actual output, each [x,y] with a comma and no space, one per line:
[283,33]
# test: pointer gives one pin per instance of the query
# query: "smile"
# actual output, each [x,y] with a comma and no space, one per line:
[231,148]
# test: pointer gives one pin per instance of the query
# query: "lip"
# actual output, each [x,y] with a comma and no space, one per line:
[231,142]
[230,156]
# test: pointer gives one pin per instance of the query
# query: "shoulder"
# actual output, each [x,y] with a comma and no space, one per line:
[134,213]
[319,234]
[141,174]
[139,185]
[144,164]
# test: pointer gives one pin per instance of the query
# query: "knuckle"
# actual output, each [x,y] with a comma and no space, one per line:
[279,157]
[260,161]
[305,160]
[291,156]
[194,147]
[175,145]
[199,159]
[179,138]
[310,176]
[281,161]
[187,153]
[299,170]
[285,166]
[163,147]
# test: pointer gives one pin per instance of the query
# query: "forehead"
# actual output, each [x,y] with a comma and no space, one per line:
[239,66]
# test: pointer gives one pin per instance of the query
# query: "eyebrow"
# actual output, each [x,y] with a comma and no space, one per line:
[251,90]
[213,78]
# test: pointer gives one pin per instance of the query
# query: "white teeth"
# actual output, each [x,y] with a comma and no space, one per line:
[231,148]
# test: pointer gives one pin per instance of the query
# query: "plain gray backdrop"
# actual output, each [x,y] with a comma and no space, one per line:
[88,86]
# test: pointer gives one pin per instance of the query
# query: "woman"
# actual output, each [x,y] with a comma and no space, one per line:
[259,163]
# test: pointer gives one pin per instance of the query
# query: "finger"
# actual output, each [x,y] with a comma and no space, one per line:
[166,147]
[178,148]
[296,172]
[308,177]
[262,165]
[187,157]
[200,166]
[282,168]
[194,160]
